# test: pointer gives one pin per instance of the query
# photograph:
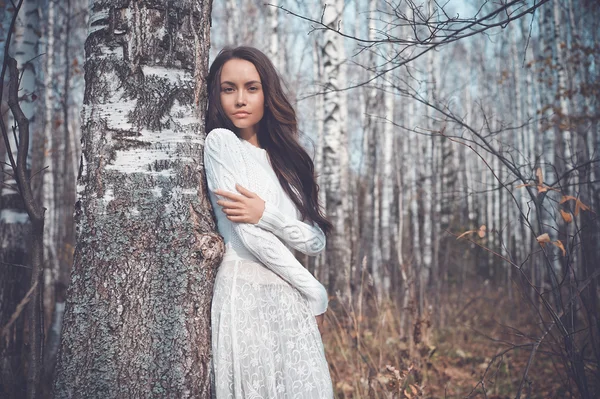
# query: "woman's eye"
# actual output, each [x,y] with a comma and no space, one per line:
[227,89]
[253,88]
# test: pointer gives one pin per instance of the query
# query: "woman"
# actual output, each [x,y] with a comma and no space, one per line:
[267,308]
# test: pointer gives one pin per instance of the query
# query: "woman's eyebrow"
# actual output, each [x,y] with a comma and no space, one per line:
[245,84]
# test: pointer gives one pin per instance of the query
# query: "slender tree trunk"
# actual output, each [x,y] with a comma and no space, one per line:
[402,294]
[275,55]
[320,270]
[335,153]
[49,186]
[387,189]
[234,29]
[428,187]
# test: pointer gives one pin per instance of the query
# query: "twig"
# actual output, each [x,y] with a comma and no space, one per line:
[18,310]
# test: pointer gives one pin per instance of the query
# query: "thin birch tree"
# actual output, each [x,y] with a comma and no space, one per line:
[335,154]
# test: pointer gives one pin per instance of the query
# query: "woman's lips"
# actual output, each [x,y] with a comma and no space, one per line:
[241,114]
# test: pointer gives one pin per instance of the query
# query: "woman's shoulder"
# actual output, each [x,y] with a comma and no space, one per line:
[219,138]
[221,134]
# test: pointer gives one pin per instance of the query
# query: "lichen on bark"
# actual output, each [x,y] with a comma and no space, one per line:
[138,310]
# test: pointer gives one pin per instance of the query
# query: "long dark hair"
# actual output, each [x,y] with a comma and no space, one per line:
[277,132]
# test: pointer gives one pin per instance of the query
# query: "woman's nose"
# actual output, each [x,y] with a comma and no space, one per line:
[241,98]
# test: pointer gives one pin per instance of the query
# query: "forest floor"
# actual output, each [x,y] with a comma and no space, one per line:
[481,350]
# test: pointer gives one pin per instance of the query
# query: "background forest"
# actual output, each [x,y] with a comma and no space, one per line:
[457,150]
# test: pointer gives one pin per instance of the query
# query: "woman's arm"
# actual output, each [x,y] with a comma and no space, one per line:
[248,207]
[226,163]
[306,238]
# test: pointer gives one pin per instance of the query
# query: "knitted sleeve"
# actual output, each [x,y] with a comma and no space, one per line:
[226,163]
[306,238]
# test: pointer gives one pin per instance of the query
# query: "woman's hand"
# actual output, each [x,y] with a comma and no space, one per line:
[245,208]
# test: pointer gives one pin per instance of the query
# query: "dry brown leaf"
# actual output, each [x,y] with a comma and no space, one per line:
[566,216]
[540,176]
[524,185]
[543,239]
[566,198]
[481,231]
[560,245]
[540,182]
[580,206]
[465,233]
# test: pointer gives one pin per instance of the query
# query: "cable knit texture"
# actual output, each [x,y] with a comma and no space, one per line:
[265,340]
[308,239]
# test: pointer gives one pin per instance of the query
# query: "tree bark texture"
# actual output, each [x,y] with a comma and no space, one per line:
[137,318]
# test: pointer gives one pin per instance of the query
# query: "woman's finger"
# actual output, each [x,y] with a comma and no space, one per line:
[230,204]
[244,190]
[235,212]
[237,219]
[231,196]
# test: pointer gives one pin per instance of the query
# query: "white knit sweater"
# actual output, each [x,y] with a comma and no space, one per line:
[228,160]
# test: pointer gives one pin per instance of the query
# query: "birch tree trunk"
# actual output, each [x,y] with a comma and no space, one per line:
[369,246]
[234,29]
[66,32]
[427,188]
[335,154]
[319,269]
[387,189]
[49,202]
[138,308]
[546,215]
[275,55]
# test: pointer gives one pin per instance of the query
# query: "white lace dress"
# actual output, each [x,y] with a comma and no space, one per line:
[265,340]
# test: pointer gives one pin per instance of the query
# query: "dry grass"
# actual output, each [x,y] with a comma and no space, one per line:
[473,356]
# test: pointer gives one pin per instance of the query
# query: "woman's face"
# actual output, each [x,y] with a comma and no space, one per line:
[242,96]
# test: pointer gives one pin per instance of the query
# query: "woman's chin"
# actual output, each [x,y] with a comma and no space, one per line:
[243,126]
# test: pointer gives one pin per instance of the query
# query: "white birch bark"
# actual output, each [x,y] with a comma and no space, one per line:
[517,230]
[547,159]
[415,155]
[531,102]
[234,34]
[563,143]
[146,245]
[524,93]
[427,187]
[371,144]
[387,184]
[275,55]
[497,168]
[320,261]
[50,235]
[336,152]
[376,258]
[400,149]
[402,166]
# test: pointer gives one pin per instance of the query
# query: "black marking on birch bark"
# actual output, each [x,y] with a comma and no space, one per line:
[155,98]
[122,143]
[138,308]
